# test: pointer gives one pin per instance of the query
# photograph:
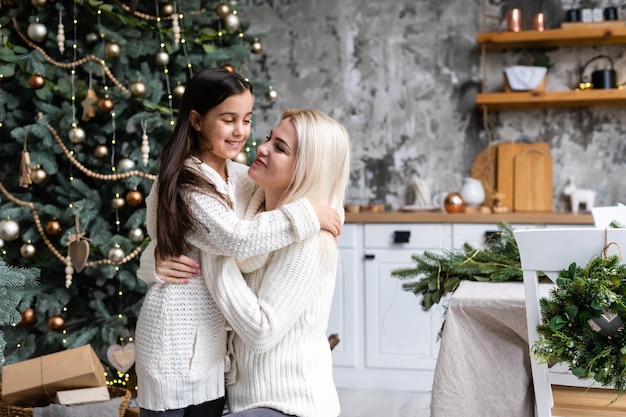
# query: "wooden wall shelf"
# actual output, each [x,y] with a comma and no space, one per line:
[533,100]
[592,35]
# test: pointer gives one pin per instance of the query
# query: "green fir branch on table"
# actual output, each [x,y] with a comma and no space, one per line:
[573,330]
[436,274]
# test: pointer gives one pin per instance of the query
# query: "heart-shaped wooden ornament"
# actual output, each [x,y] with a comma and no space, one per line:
[121,358]
[79,253]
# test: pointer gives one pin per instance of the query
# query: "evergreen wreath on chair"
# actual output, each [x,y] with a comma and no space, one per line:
[582,322]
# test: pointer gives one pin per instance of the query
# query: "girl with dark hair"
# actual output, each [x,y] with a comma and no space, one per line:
[195,208]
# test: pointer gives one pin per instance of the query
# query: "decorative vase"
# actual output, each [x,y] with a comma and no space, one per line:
[472,192]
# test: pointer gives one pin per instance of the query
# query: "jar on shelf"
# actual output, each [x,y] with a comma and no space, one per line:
[473,192]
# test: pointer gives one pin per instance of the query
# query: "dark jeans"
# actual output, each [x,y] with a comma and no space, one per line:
[213,408]
[260,412]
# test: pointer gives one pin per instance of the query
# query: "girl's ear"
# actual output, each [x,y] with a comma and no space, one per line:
[194,120]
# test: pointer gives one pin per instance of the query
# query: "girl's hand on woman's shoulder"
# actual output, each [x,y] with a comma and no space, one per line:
[177,270]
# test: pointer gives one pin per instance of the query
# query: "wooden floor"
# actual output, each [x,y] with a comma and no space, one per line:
[369,403]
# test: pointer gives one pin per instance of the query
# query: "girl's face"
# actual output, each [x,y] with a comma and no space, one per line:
[275,162]
[224,129]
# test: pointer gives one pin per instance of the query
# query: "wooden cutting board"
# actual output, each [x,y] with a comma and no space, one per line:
[505,180]
[484,169]
[532,181]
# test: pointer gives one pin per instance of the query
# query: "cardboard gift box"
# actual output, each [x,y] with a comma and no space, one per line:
[82,396]
[35,382]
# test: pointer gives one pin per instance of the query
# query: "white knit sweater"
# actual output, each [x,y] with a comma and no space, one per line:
[279,314]
[180,334]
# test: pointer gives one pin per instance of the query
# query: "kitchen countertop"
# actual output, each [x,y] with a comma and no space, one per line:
[440,217]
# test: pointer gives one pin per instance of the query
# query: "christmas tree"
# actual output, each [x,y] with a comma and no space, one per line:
[89,91]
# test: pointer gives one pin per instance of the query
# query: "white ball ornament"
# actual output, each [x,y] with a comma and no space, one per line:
[125,164]
[116,254]
[1,244]
[271,95]
[138,89]
[136,234]
[178,91]
[28,250]
[37,32]
[231,22]
[223,10]
[9,230]
[162,58]
[77,135]
[117,203]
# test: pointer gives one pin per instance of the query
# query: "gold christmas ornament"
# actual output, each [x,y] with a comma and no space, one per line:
[167,9]
[9,230]
[36,81]
[77,135]
[53,227]
[56,322]
[178,91]
[271,95]
[116,254]
[138,89]
[228,67]
[101,151]
[453,203]
[256,47]
[117,203]
[28,250]
[89,105]
[231,22]
[37,32]
[106,105]
[38,175]
[112,50]
[29,318]
[162,58]
[136,234]
[134,198]
[223,10]
[38,3]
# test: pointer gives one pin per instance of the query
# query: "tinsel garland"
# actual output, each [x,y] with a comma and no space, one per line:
[572,330]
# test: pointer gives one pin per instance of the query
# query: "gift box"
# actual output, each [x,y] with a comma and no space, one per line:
[82,396]
[36,381]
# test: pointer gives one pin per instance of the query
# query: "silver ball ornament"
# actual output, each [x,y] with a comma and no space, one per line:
[38,175]
[125,164]
[77,135]
[28,250]
[162,58]
[167,9]
[136,234]
[256,47]
[138,89]
[1,244]
[242,158]
[37,32]
[117,203]
[101,151]
[9,230]
[112,50]
[271,95]
[231,22]
[116,254]
[223,10]
[92,37]
[178,91]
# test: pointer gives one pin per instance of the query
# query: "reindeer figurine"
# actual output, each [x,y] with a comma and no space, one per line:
[579,196]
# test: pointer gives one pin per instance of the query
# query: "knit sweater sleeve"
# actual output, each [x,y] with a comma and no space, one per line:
[220,232]
[287,289]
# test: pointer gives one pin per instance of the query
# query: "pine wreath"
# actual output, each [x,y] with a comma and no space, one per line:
[575,329]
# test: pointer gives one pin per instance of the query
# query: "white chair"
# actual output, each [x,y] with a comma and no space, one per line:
[603,216]
[550,251]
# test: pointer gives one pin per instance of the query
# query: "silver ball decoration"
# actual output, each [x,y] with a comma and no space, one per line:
[231,22]
[37,32]
[117,203]
[223,10]
[112,50]
[38,175]
[178,91]
[92,37]
[242,158]
[77,135]
[256,46]
[138,89]
[101,151]
[271,95]
[167,9]
[9,230]
[28,250]
[162,58]
[125,164]
[136,234]
[116,254]
[1,244]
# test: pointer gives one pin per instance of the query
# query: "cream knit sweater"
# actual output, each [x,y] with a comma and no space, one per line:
[180,335]
[279,314]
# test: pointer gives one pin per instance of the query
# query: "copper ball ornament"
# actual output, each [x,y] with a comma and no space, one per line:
[53,227]
[228,67]
[112,50]
[178,91]
[38,175]
[29,318]
[138,89]
[9,230]
[256,46]
[453,203]
[134,198]
[38,3]
[77,135]
[106,105]
[56,322]
[36,81]
[37,32]
[28,250]
[223,10]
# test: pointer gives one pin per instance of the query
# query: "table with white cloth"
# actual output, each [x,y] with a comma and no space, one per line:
[483,366]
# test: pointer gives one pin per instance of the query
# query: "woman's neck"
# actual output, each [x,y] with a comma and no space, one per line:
[272,199]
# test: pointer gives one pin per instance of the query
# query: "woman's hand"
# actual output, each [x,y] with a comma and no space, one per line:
[177,270]
[329,218]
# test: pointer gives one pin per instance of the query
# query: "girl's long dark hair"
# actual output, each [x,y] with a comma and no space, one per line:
[206,89]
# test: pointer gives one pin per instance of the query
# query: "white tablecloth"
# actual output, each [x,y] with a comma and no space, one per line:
[483,366]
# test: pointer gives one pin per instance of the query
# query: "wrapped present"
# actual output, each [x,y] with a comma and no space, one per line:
[82,396]
[35,382]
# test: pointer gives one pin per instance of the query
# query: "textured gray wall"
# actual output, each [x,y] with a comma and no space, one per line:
[402,76]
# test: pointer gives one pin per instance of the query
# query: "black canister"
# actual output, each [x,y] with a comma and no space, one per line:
[572,15]
[606,78]
[610,13]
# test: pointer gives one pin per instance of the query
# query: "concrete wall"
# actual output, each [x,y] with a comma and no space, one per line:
[402,76]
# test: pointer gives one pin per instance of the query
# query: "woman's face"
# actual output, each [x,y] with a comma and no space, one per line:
[224,129]
[275,162]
